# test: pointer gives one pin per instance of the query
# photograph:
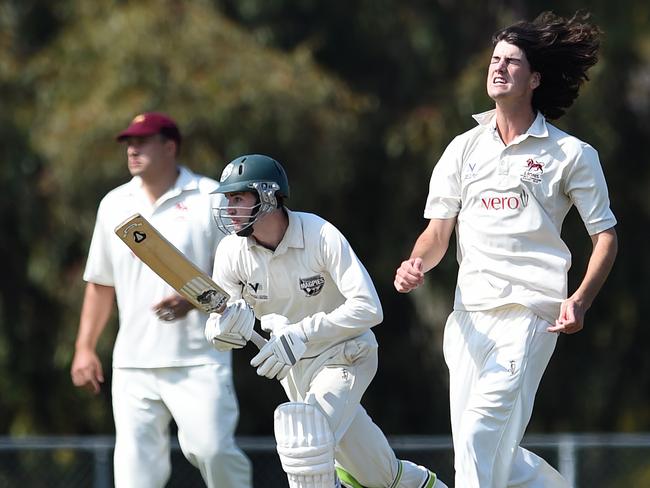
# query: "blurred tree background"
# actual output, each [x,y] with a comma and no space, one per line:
[357,99]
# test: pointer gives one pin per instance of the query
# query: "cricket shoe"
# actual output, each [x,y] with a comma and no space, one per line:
[348,481]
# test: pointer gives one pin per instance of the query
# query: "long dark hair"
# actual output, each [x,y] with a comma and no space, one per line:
[561,50]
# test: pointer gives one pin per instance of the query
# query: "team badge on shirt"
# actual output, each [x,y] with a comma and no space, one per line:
[313,285]
[533,171]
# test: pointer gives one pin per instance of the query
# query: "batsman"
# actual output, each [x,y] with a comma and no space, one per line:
[299,275]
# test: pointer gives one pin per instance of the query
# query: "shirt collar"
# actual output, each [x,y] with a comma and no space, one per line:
[537,129]
[487,119]
[185,181]
[293,237]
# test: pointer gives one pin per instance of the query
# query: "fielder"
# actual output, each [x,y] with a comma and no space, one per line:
[311,292]
[506,186]
[162,367]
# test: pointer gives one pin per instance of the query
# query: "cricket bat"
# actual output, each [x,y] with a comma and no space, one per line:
[171,265]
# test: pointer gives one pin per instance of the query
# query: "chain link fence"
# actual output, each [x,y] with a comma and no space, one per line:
[586,460]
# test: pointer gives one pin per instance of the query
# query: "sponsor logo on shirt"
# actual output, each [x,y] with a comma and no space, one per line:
[471,173]
[533,171]
[313,285]
[505,202]
[255,290]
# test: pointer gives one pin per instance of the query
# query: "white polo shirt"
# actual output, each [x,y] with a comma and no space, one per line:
[313,277]
[510,202]
[184,216]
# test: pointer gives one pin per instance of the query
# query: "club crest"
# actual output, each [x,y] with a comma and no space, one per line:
[313,285]
[533,171]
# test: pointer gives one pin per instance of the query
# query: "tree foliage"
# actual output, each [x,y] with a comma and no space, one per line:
[358,100]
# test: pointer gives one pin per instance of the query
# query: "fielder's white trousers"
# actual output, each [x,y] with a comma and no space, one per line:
[335,381]
[496,360]
[202,402]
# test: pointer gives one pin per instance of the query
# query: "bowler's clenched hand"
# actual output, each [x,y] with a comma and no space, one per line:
[409,275]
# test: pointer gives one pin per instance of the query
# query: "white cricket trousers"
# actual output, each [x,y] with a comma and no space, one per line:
[202,402]
[335,381]
[496,359]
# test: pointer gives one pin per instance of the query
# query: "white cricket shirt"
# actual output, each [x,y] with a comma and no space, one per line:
[313,278]
[184,216]
[510,202]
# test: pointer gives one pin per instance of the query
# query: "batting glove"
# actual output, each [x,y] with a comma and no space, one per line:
[233,328]
[280,353]
[274,323]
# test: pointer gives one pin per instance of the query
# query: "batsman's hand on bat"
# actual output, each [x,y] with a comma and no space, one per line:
[86,370]
[172,308]
[283,350]
[409,275]
[233,328]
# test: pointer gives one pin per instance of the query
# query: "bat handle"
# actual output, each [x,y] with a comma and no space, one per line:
[258,340]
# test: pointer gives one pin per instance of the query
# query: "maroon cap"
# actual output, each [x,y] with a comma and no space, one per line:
[150,123]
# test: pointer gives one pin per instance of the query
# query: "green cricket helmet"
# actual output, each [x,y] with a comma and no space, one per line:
[255,173]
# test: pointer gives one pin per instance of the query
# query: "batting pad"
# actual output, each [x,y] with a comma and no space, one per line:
[305,445]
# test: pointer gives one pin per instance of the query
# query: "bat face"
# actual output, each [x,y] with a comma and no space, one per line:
[171,265]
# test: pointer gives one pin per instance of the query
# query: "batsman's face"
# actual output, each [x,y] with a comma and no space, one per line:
[241,206]
[509,74]
[146,154]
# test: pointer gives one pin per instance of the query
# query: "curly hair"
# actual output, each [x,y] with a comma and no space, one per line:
[561,50]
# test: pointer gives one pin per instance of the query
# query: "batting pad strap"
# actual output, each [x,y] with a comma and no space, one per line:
[305,445]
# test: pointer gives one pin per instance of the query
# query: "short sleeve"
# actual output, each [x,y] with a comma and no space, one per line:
[99,266]
[586,187]
[444,199]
